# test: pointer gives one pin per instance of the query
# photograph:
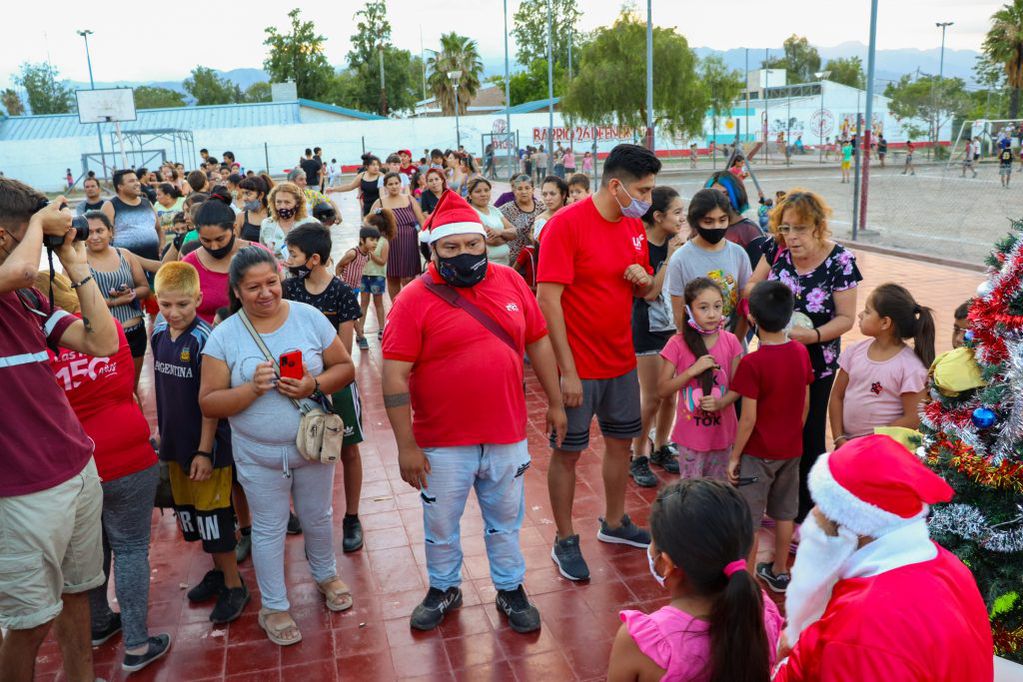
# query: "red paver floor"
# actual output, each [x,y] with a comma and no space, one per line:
[373,641]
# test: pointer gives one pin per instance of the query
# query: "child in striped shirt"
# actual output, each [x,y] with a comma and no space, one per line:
[350,268]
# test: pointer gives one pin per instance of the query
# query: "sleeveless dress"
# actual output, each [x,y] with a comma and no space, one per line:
[403,259]
[116,279]
[249,231]
[370,193]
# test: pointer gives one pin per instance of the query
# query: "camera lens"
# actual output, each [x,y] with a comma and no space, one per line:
[81,226]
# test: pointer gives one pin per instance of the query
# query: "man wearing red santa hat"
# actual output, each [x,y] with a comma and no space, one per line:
[871,597]
[453,352]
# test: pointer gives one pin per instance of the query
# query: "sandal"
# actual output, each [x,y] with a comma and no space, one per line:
[275,633]
[336,600]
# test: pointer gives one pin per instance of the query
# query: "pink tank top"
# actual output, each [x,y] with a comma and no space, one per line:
[351,274]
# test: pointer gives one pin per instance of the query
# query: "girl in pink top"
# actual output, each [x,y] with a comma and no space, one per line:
[699,364]
[719,624]
[881,381]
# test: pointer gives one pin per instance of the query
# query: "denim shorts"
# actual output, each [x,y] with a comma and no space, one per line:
[374,284]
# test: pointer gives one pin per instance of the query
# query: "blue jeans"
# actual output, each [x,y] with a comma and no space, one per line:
[496,472]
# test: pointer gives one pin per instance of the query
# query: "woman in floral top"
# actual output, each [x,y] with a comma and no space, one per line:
[521,213]
[823,276]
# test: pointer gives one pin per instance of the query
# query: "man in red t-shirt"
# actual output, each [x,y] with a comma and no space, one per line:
[453,348]
[594,262]
[50,496]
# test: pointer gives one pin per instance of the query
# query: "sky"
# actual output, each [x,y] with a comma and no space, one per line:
[162,41]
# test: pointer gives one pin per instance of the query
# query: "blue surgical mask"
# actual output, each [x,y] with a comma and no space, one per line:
[653,569]
[636,209]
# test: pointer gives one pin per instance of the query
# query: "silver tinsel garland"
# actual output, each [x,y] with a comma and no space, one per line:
[1010,431]
[969,523]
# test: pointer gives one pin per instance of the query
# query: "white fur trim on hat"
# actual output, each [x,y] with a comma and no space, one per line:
[449,229]
[845,509]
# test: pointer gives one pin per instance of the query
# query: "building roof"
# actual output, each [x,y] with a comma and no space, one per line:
[14,128]
[488,98]
[530,107]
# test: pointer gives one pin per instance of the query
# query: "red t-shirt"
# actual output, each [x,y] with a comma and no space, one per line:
[102,394]
[776,377]
[41,442]
[589,255]
[466,384]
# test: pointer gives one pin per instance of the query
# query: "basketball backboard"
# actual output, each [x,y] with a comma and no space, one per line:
[108,105]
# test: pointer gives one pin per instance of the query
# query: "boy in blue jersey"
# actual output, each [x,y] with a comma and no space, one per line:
[197,450]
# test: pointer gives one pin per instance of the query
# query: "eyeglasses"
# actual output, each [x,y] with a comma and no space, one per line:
[799,230]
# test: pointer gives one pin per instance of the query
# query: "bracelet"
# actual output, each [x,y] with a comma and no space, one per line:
[204,454]
[75,285]
[818,334]
[316,388]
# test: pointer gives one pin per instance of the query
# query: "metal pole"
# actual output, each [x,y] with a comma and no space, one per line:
[649,75]
[266,157]
[422,57]
[943,25]
[383,91]
[512,168]
[767,107]
[92,86]
[856,172]
[747,99]
[871,53]
[788,127]
[458,130]
[550,85]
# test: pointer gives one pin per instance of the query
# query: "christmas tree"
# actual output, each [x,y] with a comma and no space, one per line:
[973,437]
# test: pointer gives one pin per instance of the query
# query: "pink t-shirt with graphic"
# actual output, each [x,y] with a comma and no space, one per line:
[694,428]
[874,395]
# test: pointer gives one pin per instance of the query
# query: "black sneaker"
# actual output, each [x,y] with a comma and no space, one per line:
[158,646]
[351,537]
[243,548]
[294,525]
[778,583]
[230,604]
[112,628]
[522,615]
[211,586]
[639,469]
[665,457]
[431,611]
[569,558]
[626,534]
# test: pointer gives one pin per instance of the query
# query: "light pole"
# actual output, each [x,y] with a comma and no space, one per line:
[507,101]
[649,75]
[455,77]
[92,86]
[821,76]
[550,85]
[943,25]
[383,91]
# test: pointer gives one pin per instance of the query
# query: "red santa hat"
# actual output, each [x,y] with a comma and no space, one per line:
[453,215]
[873,485]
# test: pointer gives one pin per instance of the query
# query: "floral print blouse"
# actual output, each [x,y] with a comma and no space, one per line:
[523,223]
[815,295]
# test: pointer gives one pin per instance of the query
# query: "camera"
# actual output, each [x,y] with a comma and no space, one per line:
[78,223]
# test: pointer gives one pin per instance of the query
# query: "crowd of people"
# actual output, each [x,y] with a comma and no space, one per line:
[704,344]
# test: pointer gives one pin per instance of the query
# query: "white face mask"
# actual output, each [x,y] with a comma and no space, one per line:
[653,570]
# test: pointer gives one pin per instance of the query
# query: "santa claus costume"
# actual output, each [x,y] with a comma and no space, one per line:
[879,600]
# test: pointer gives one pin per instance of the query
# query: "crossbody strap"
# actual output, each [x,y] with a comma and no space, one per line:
[451,296]
[266,352]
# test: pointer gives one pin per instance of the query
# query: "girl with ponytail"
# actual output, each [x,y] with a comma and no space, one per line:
[881,381]
[719,627]
[699,363]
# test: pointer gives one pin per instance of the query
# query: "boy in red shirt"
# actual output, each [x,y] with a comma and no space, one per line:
[594,262]
[774,382]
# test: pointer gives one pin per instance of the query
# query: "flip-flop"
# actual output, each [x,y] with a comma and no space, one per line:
[276,633]
[336,600]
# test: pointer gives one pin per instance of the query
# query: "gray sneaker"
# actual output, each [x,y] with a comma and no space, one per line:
[626,534]
[666,458]
[639,469]
[569,558]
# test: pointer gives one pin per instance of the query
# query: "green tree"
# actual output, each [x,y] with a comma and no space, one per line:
[46,94]
[607,88]
[403,74]
[530,30]
[150,97]
[12,103]
[929,99]
[298,56]
[800,61]
[371,31]
[530,84]
[257,92]
[847,71]
[457,53]
[208,87]
[1003,45]
[722,86]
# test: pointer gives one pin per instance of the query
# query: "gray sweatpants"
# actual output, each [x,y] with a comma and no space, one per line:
[311,486]
[127,516]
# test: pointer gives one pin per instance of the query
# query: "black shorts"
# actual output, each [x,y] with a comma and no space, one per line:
[649,343]
[138,339]
[204,508]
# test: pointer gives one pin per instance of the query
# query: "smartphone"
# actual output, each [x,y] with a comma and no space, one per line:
[746,480]
[291,365]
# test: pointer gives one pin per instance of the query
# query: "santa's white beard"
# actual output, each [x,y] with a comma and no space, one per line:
[817,568]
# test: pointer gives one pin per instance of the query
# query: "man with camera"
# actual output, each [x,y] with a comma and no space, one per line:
[50,496]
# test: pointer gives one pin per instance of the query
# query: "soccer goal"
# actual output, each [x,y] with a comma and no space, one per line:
[989,131]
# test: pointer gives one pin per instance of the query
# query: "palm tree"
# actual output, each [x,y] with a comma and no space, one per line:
[1003,45]
[457,53]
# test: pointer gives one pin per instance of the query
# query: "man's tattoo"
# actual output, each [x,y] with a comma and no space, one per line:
[88,325]
[396,399]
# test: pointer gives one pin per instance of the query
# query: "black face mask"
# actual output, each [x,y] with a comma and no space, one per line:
[300,271]
[463,270]
[222,251]
[711,236]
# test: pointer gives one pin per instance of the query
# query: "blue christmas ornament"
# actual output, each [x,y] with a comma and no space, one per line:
[968,336]
[983,418]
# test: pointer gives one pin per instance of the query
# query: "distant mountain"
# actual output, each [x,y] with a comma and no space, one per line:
[891,64]
[242,77]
